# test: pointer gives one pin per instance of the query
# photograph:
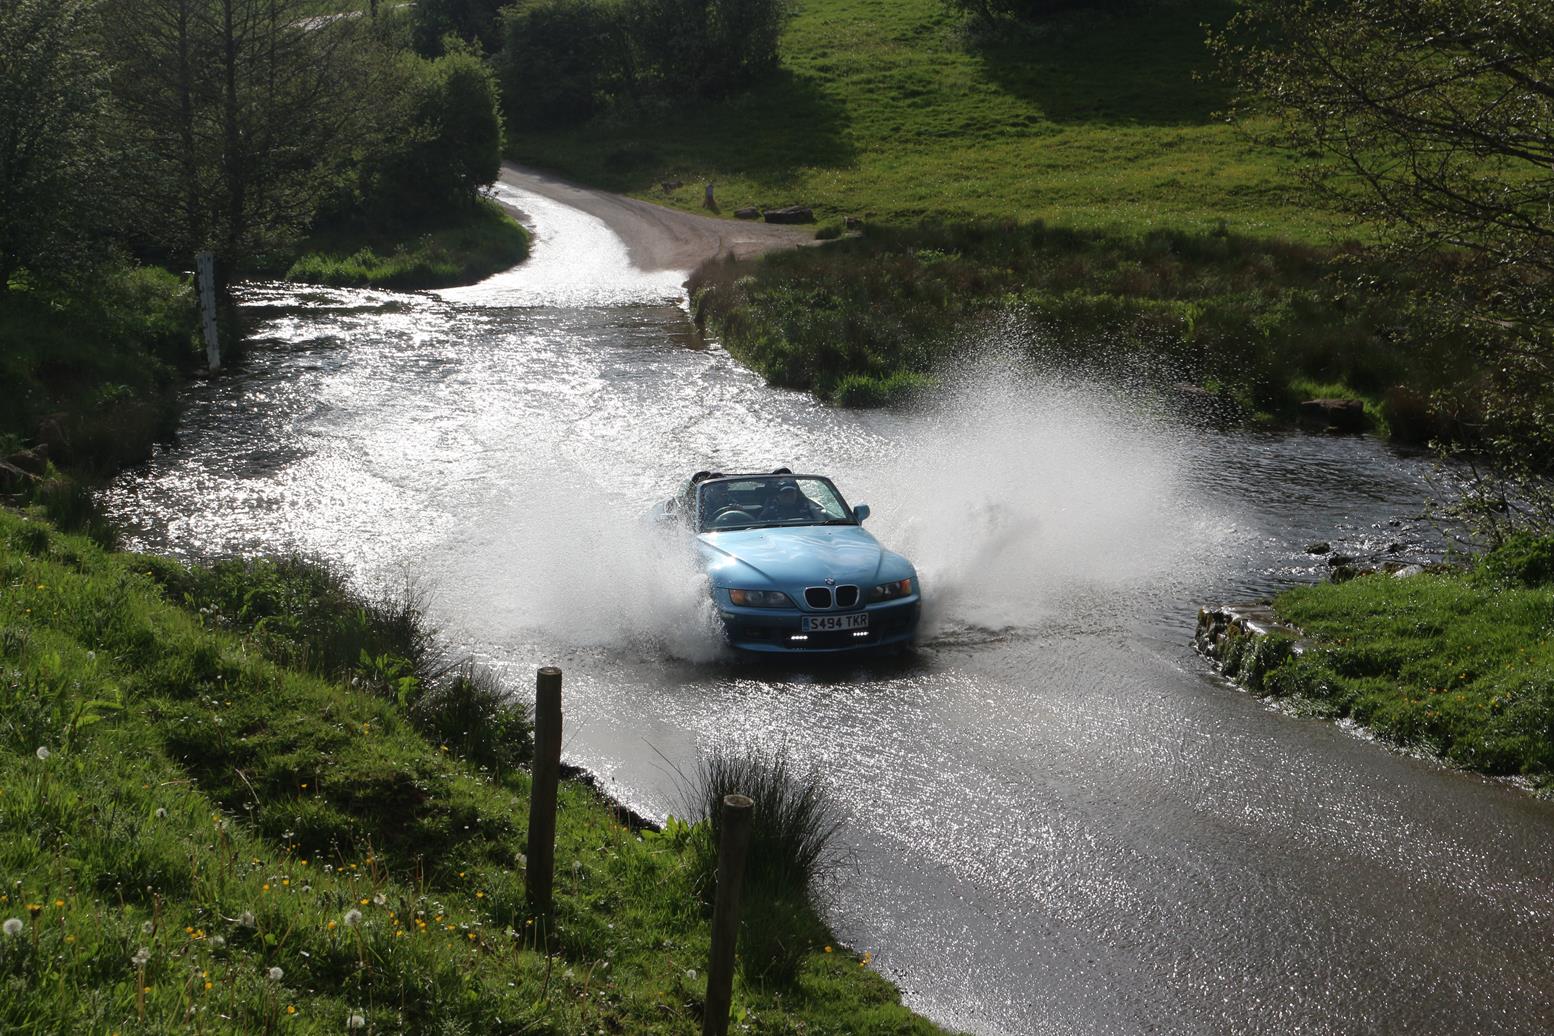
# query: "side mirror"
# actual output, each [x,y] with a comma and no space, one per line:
[861,512]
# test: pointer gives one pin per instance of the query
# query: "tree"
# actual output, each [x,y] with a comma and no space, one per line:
[1432,120]
[51,105]
[438,139]
[235,117]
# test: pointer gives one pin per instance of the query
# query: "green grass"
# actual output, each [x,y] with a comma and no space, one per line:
[485,241]
[206,814]
[1262,324]
[1458,663]
[888,109]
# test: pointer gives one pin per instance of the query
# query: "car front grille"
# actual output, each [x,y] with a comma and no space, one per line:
[846,596]
[818,596]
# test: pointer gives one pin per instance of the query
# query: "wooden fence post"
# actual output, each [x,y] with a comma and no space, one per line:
[540,873]
[733,843]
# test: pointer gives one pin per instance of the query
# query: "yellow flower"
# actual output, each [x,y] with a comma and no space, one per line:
[59,902]
[331,924]
[290,1009]
[828,949]
[207,985]
[363,902]
[265,887]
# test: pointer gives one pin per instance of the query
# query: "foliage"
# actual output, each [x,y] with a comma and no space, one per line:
[793,825]
[52,95]
[1442,660]
[1435,121]
[482,241]
[290,853]
[91,371]
[234,117]
[434,22]
[439,140]
[1523,560]
[867,320]
[564,60]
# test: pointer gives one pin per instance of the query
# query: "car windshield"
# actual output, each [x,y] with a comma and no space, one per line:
[750,501]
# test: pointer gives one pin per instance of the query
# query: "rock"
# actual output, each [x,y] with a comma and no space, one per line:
[790,214]
[1339,559]
[671,185]
[748,212]
[1394,548]
[1320,547]
[852,222]
[1344,416]
[1408,571]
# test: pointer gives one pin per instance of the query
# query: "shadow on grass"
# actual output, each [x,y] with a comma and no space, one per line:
[1148,67]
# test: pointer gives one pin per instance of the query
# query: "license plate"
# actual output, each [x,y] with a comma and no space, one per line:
[822,623]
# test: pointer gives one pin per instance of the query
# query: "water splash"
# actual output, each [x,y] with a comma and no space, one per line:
[1022,495]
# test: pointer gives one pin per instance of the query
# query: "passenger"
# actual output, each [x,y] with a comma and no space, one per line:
[788,504]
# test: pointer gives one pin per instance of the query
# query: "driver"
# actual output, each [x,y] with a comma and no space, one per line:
[715,499]
[788,503]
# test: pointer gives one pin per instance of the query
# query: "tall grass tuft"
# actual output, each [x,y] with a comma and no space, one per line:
[792,832]
[476,717]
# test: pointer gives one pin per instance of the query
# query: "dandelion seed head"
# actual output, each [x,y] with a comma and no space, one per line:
[12,926]
[161,814]
[353,917]
[42,753]
[142,955]
[356,1021]
[275,974]
[246,919]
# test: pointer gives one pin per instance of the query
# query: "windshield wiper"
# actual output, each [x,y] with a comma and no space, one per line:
[838,521]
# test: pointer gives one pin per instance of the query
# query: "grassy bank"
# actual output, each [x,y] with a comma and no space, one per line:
[1259,325]
[891,110]
[93,372]
[227,805]
[484,241]
[1460,664]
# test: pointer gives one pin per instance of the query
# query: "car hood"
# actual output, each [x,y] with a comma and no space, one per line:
[794,556]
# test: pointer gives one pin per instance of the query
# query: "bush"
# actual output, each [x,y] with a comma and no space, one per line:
[791,832]
[440,142]
[560,61]
[477,718]
[1522,560]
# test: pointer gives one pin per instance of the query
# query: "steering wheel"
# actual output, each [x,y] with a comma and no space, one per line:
[728,516]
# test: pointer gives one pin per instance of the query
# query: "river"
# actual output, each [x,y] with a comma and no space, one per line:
[1058,819]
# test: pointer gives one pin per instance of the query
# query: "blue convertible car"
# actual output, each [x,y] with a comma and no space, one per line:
[791,567]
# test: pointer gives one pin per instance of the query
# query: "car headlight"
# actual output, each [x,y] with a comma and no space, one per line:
[760,598]
[892,590]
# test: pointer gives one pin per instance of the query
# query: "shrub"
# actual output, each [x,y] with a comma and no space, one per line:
[477,718]
[793,826]
[1522,560]
[441,138]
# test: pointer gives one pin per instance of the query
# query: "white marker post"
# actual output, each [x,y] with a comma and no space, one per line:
[205,268]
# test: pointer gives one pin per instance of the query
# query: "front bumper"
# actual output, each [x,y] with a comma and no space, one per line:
[780,631]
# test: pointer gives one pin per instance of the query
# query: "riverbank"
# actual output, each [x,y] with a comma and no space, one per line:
[223,808]
[92,373]
[1236,327]
[485,240]
[1456,663]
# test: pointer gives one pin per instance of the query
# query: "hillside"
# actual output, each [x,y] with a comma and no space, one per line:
[892,110]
